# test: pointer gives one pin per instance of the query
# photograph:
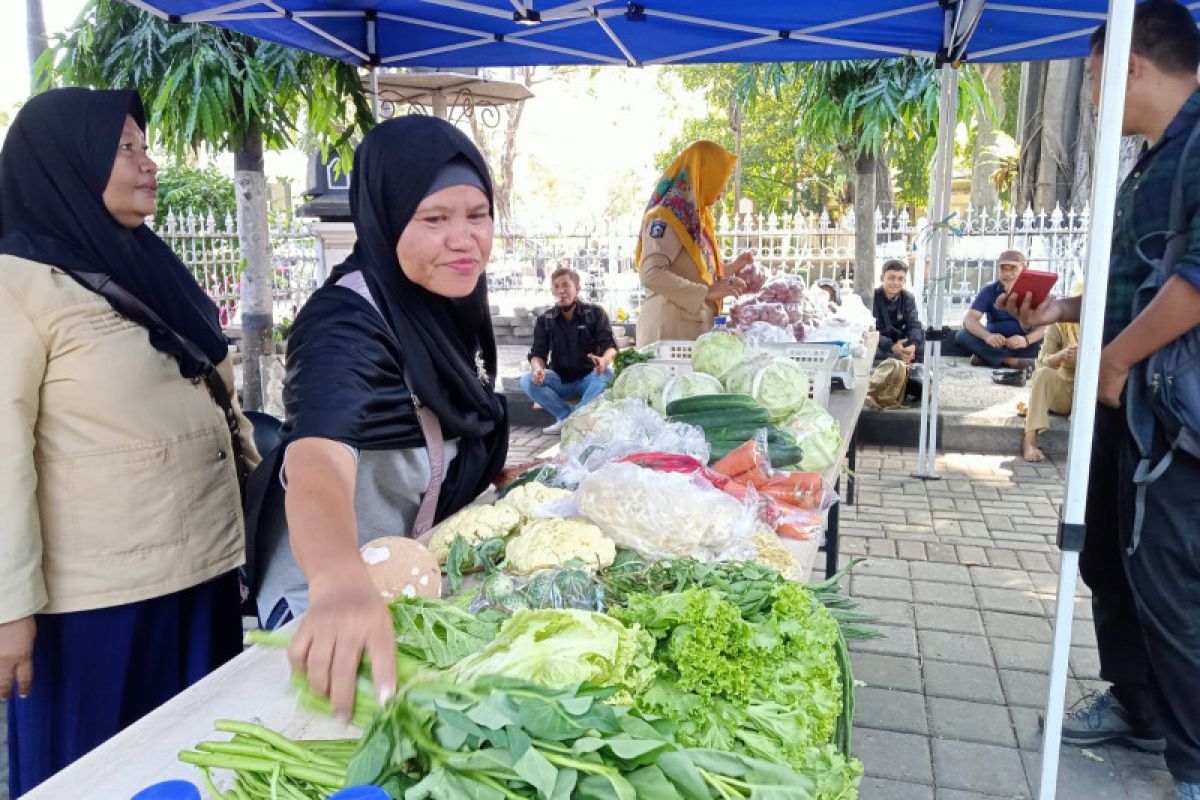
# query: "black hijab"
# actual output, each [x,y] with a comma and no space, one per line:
[353,370]
[54,167]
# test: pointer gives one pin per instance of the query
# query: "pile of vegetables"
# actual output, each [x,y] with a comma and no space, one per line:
[728,420]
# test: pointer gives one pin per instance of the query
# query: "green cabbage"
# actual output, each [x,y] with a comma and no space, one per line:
[780,385]
[643,381]
[560,648]
[717,352]
[689,384]
[819,435]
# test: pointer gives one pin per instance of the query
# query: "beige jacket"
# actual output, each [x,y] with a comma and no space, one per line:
[117,481]
[674,307]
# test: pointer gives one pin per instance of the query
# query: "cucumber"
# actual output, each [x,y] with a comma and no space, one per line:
[739,417]
[710,402]
[739,431]
[781,455]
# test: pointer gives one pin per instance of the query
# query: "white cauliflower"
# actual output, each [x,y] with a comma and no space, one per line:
[474,524]
[550,543]
[527,497]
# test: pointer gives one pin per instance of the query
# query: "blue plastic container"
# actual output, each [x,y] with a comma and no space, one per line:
[169,790]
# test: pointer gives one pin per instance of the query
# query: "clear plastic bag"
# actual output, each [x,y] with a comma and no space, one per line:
[639,431]
[567,587]
[667,514]
[755,277]
[758,333]
[783,289]
[746,314]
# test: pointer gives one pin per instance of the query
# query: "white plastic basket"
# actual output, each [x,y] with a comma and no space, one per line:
[818,360]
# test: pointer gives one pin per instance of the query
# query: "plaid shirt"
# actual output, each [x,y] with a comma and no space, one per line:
[1142,210]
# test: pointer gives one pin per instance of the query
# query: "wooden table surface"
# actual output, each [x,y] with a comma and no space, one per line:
[255,686]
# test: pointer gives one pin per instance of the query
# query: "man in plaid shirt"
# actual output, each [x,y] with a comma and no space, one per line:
[1146,604]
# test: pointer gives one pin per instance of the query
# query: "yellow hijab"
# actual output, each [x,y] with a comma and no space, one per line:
[682,198]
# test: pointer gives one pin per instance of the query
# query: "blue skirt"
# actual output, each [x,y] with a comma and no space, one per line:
[96,672]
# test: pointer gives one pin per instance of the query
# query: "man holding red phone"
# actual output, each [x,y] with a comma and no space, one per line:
[1002,340]
[1145,590]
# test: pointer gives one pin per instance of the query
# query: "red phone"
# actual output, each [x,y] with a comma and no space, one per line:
[1036,283]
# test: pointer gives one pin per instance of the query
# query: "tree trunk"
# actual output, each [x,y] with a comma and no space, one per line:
[864,227]
[1048,131]
[885,192]
[35,38]
[254,239]
[983,164]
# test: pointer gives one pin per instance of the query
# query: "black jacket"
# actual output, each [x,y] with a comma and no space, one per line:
[565,344]
[896,319]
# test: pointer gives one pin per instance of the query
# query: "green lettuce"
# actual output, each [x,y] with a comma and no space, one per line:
[688,384]
[560,648]
[780,385]
[643,381]
[717,352]
[819,435]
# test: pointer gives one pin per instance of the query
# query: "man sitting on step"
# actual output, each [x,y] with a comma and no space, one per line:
[572,353]
[1001,341]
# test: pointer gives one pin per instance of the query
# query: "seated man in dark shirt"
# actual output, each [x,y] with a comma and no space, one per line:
[572,353]
[900,333]
[1002,341]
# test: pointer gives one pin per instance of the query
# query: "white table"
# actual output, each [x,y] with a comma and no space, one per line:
[255,686]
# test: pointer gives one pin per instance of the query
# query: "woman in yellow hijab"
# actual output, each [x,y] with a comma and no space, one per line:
[677,253]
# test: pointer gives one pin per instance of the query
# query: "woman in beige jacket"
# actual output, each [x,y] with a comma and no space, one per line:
[121,524]
[677,254]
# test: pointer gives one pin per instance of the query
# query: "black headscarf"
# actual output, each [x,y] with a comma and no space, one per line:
[352,369]
[54,167]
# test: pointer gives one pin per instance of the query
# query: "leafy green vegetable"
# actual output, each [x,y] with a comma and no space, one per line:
[563,647]
[766,678]
[627,358]
[439,633]
[483,556]
[643,381]
[507,738]
[819,435]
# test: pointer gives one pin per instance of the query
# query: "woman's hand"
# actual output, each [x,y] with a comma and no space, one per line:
[16,656]
[347,619]
[731,285]
[741,262]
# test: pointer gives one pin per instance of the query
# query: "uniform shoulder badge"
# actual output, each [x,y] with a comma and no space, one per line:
[657,229]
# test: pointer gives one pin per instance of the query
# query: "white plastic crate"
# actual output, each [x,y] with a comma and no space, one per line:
[675,355]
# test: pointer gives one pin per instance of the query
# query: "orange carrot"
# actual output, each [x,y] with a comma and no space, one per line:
[755,476]
[790,496]
[744,457]
[801,482]
[736,490]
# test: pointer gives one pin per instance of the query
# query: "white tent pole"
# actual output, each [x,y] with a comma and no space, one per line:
[943,175]
[1087,372]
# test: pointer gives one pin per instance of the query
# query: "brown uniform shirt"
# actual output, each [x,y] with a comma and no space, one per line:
[674,306]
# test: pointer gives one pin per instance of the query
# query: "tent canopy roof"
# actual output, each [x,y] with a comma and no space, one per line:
[492,33]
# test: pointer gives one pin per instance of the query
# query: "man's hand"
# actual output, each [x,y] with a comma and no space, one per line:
[996,340]
[599,363]
[1016,342]
[1113,376]
[1047,313]
[16,657]
[539,376]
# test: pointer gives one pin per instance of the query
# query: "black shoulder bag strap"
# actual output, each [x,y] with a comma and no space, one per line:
[139,312]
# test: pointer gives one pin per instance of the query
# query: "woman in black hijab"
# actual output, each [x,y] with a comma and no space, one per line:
[401,329]
[120,529]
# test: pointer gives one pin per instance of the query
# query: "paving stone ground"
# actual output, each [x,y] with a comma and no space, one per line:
[961,573]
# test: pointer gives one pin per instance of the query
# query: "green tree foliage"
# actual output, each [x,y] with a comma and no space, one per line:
[206,87]
[886,108]
[183,188]
[779,173]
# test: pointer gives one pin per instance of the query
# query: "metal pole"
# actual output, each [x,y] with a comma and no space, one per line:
[373,49]
[943,176]
[1087,373]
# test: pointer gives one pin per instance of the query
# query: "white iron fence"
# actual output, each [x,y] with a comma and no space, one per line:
[813,246]
[210,250]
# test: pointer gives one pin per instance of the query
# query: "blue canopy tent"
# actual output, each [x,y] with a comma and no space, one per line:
[481,33]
